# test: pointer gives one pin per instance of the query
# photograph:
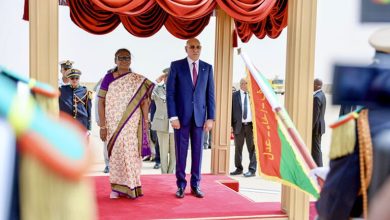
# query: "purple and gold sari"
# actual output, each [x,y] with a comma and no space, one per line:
[125,129]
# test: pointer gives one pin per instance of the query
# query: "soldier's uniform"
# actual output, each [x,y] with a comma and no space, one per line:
[76,101]
[339,198]
[360,153]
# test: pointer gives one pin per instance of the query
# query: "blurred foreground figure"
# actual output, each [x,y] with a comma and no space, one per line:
[360,148]
[379,207]
[47,155]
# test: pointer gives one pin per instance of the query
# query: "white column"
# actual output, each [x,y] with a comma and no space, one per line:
[44,41]
[223,75]
[299,88]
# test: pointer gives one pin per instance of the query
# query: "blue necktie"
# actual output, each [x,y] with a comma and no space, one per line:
[245,106]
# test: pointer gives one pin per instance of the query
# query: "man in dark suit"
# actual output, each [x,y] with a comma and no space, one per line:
[319,106]
[190,97]
[153,136]
[243,130]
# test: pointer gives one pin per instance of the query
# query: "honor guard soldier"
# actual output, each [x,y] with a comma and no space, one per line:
[66,65]
[75,99]
[360,148]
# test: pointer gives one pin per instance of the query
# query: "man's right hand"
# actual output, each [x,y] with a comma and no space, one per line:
[159,79]
[66,73]
[175,124]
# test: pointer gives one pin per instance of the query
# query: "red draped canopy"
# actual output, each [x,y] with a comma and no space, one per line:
[182,18]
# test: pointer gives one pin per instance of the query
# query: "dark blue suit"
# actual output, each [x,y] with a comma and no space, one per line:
[190,104]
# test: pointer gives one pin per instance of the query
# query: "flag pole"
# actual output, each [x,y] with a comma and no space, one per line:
[280,111]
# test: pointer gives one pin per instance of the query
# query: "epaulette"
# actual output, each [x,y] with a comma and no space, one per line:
[90,94]
[42,136]
[35,86]
[343,136]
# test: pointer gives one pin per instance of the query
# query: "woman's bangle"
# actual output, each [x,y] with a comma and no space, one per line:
[103,127]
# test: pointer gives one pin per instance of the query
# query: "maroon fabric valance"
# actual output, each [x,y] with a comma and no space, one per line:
[182,18]
[271,26]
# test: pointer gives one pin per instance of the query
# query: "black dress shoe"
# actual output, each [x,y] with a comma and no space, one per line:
[196,192]
[249,174]
[180,193]
[157,166]
[106,169]
[236,172]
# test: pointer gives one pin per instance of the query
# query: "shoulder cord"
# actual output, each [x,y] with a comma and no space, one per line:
[365,157]
[77,99]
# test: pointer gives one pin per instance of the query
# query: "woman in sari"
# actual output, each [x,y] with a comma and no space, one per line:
[123,111]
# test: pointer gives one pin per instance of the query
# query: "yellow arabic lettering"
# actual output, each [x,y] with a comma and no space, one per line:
[269,155]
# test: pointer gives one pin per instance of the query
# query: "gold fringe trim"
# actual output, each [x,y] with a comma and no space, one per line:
[343,139]
[45,195]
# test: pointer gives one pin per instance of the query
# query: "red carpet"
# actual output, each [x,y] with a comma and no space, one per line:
[313,211]
[159,201]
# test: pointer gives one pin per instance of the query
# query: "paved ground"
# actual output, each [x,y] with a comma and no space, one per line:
[255,188]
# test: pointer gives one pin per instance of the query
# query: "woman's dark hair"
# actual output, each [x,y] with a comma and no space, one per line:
[116,55]
[122,50]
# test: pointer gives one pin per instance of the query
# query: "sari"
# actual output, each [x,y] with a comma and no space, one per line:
[125,129]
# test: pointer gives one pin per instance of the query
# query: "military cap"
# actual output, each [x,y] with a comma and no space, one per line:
[166,70]
[66,64]
[380,40]
[74,73]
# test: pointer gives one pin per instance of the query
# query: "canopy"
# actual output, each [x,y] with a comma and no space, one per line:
[182,18]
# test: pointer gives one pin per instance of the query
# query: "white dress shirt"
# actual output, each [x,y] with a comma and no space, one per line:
[317,91]
[249,115]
